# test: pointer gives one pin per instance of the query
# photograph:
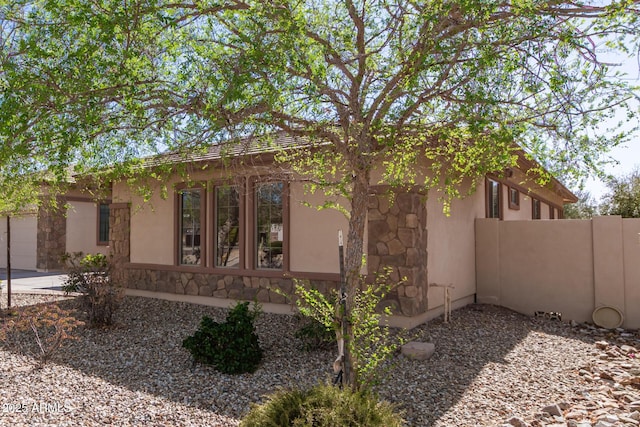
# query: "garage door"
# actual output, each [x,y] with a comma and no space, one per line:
[24,231]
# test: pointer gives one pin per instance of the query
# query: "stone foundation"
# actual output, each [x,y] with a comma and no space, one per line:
[262,289]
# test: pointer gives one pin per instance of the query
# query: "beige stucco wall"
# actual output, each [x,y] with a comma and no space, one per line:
[314,242]
[631,250]
[82,228]
[450,245]
[24,231]
[152,225]
[566,266]
[313,245]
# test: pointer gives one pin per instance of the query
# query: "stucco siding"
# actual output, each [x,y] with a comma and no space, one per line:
[451,245]
[82,228]
[152,230]
[314,233]
[631,248]
[24,231]
[551,264]
[569,266]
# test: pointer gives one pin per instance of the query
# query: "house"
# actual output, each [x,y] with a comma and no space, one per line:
[247,232]
[40,236]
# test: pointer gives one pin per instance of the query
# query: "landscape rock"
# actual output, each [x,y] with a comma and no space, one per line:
[418,350]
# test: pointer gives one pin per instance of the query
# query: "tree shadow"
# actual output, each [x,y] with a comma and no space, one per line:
[143,354]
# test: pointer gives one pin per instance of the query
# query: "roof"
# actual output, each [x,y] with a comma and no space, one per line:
[251,146]
[238,147]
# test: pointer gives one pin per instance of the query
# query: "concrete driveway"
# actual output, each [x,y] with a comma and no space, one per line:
[25,281]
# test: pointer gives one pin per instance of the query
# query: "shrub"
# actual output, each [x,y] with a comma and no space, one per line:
[231,347]
[50,324]
[314,335]
[322,406]
[90,275]
[372,344]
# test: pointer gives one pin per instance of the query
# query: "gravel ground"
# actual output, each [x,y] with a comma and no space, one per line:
[491,367]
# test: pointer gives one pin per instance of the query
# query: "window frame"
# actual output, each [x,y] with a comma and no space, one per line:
[514,204]
[489,197]
[99,241]
[178,225]
[241,189]
[536,213]
[252,224]
[552,212]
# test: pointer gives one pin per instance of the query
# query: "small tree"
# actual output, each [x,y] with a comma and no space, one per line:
[585,208]
[623,197]
[372,343]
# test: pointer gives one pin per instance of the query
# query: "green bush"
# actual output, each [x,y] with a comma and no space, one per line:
[314,335]
[81,268]
[231,347]
[90,275]
[322,406]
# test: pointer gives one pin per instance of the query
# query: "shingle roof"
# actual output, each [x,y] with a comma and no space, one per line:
[247,146]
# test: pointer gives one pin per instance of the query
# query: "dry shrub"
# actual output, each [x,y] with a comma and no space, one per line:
[48,325]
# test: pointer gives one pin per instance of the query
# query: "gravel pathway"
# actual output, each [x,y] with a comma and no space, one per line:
[491,367]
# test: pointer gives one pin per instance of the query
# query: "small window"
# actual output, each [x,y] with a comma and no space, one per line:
[514,198]
[227,232]
[552,212]
[493,199]
[190,227]
[103,224]
[535,208]
[269,225]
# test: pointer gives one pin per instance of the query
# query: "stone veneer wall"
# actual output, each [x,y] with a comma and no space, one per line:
[51,236]
[119,239]
[398,239]
[217,285]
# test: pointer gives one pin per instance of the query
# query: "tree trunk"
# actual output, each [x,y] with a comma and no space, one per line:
[353,264]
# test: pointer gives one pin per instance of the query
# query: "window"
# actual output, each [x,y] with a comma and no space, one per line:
[227,227]
[190,227]
[269,225]
[552,212]
[493,199]
[514,198]
[103,224]
[535,208]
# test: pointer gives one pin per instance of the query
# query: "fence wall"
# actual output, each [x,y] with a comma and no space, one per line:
[570,266]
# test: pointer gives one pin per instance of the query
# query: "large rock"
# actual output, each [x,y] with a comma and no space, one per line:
[418,350]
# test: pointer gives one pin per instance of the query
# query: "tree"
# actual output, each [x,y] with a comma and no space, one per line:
[374,84]
[585,208]
[623,197]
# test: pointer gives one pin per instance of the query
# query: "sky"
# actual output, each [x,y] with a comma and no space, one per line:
[627,156]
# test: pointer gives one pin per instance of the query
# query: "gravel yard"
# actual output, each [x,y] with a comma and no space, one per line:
[491,367]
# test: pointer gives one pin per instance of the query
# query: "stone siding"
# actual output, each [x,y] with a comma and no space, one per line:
[262,289]
[398,240]
[51,236]
[119,240]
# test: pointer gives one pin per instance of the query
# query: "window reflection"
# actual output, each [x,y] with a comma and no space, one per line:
[269,209]
[190,221]
[227,202]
